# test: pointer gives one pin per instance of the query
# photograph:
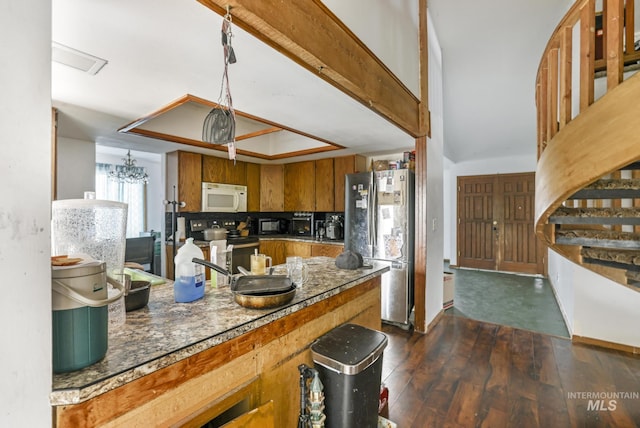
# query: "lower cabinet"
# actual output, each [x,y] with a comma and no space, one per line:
[171,274]
[275,250]
[278,250]
[327,250]
[296,248]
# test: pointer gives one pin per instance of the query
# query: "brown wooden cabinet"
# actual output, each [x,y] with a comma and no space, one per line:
[184,171]
[325,183]
[279,250]
[271,188]
[222,170]
[327,250]
[296,248]
[299,189]
[274,249]
[253,186]
[170,274]
[342,166]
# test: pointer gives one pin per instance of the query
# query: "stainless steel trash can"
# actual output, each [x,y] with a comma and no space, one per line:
[349,363]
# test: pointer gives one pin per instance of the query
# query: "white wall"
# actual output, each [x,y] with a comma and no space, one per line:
[76,168]
[561,278]
[25,132]
[435,180]
[399,18]
[506,165]
[594,306]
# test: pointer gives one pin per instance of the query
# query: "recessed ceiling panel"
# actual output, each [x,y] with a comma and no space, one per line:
[182,121]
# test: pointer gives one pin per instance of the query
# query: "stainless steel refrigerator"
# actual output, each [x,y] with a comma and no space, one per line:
[379,224]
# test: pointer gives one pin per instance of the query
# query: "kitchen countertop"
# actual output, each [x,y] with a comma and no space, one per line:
[284,237]
[165,332]
[300,239]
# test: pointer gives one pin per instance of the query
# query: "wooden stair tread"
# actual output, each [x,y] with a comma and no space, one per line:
[633,278]
[610,189]
[629,259]
[598,238]
[617,183]
[566,215]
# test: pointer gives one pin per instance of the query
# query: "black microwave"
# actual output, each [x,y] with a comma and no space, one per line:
[272,226]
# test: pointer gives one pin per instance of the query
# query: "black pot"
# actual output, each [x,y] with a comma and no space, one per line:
[138,295]
[215,234]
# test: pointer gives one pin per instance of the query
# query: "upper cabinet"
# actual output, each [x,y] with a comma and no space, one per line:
[300,188]
[222,170]
[253,186]
[324,185]
[271,188]
[184,171]
[342,166]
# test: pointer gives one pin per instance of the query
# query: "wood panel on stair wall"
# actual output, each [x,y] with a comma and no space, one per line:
[496,223]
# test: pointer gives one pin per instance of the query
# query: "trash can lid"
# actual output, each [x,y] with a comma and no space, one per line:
[349,348]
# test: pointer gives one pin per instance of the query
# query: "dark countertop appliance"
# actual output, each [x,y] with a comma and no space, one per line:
[302,224]
[333,228]
[272,226]
[243,246]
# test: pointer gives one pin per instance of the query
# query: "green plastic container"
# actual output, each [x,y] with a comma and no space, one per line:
[79,337]
[80,315]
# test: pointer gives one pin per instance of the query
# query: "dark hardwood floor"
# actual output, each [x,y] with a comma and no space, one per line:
[466,373]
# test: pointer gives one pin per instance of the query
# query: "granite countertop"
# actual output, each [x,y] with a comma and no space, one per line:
[284,237]
[165,332]
[299,238]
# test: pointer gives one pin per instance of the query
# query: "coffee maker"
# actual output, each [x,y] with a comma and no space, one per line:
[333,227]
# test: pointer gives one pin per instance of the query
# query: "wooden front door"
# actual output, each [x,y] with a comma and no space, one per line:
[495,223]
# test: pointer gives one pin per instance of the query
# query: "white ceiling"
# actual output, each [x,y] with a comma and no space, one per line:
[160,51]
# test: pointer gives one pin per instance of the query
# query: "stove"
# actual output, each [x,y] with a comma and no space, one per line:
[243,246]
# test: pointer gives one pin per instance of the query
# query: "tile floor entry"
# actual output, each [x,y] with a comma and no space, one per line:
[520,301]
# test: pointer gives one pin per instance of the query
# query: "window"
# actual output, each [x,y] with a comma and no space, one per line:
[132,194]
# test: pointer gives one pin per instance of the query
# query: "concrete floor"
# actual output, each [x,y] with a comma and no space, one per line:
[524,302]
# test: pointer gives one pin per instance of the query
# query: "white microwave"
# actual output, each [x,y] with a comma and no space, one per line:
[224,198]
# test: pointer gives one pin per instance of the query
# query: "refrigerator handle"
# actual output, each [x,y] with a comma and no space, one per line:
[369,230]
[373,214]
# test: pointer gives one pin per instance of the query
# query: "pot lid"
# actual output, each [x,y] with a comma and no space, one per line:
[85,268]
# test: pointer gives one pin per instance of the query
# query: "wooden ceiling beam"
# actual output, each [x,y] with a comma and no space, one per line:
[258,133]
[313,37]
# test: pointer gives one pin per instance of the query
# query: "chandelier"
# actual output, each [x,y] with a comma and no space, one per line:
[129,172]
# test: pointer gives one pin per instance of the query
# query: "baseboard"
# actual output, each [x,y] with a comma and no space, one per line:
[435,320]
[605,344]
[561,306]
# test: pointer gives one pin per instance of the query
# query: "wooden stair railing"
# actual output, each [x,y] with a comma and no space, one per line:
[588,173]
